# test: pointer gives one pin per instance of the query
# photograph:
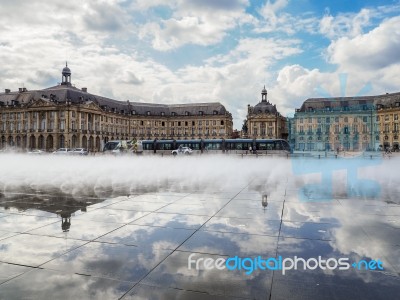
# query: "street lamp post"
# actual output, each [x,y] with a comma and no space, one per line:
[67,125]
[372,130]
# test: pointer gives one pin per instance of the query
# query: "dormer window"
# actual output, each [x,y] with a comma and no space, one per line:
[327,108]
[397,104]
[200,113]
[162,113]
[133,112]
[310,109]
[215,112]
[173,113]
[148,113]
[187,113]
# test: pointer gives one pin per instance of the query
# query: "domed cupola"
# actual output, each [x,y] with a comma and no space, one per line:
[264,106]
[264,94]
[66,75]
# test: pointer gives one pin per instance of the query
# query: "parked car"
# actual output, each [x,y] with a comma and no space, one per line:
[36,151]
[62,151]
[79,151]
[182,150]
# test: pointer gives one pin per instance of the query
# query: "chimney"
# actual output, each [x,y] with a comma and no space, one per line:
[7,91]
[20,90]
[24,89]
[84,89]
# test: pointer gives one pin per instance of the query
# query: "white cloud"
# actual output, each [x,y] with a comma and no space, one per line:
[195,22]
[376,49]
[174,33]
[347,24]
[274,19]
[371,58]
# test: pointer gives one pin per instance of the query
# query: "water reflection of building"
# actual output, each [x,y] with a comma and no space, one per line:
[65,116]
[61,205]
[65,221]
[347,123]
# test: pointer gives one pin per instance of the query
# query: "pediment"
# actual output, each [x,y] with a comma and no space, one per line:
[91,105]
[41,103]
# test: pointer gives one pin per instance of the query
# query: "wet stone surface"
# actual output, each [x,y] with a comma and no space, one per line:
[139,245]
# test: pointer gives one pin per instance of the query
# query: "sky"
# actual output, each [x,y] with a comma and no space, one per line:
[186,51]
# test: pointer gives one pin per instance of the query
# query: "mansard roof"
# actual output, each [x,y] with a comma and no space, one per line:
[65,93]
[338,103]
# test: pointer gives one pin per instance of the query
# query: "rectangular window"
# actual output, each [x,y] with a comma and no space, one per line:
[355,128]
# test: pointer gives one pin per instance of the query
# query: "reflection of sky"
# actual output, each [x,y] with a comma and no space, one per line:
[112,261]
[349,230]
[174,272]
[47,284]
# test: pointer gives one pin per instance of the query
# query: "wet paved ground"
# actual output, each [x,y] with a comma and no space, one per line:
[137,246]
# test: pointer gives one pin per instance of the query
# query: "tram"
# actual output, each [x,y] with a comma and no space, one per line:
[234,146]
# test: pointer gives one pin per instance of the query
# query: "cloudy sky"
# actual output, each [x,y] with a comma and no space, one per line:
[180,51]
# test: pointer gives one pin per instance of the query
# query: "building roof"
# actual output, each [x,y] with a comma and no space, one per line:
[264,107]
[64,93]
[337,103]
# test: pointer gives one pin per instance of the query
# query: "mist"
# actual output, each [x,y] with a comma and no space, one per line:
[75,175]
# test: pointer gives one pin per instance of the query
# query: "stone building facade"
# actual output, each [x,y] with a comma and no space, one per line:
[264,121]
[388,112]
[65,116]
[346,123]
